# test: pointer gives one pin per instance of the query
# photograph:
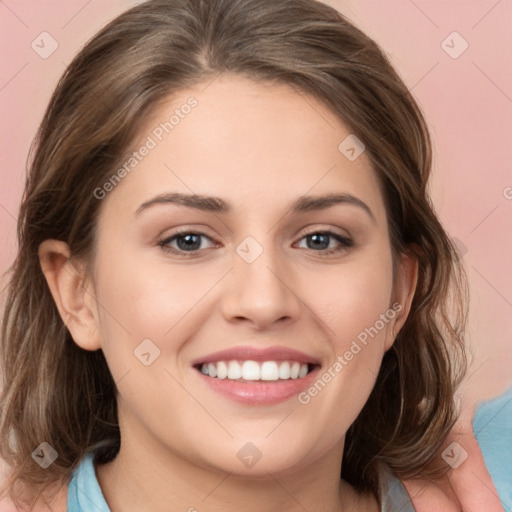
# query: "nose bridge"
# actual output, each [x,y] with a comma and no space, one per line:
[259,289]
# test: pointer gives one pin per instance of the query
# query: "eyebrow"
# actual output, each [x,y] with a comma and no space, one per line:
[217,205]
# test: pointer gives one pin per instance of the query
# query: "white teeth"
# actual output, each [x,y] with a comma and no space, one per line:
[212,370]
[294,371]
[234,370]
[222,370]
[252,370]
[284,370]
[269,371]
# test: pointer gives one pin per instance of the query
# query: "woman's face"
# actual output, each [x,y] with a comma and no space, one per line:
[266,280]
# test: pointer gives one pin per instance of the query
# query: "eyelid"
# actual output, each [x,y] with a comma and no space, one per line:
[302,233]
[184,230]
[327,229]
[345,237]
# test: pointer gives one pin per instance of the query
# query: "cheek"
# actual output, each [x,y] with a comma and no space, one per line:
[356,308]
[354,298]
[138,302]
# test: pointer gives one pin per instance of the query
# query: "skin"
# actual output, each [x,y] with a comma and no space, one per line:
[258,147]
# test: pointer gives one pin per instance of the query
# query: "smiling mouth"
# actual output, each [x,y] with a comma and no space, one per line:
[255,371]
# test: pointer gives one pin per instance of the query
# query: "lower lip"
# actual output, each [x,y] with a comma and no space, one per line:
[259,392]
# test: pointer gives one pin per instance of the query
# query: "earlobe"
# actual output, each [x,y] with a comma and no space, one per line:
[74,300]
[404,287]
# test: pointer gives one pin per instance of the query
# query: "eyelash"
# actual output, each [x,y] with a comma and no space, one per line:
[345,243]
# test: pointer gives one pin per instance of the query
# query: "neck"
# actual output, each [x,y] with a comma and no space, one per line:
[156,479]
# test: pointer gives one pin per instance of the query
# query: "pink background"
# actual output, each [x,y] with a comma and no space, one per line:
[467,101]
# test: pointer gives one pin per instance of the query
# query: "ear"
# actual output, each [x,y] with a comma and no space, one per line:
[72,292]
[404,286]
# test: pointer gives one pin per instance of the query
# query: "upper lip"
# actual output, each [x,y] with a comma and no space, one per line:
[246,353]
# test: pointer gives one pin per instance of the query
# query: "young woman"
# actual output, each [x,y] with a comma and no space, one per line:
[231,287]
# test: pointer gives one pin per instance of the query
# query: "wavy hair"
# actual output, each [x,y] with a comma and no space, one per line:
[54,391]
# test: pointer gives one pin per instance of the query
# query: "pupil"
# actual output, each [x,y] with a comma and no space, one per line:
[190,242]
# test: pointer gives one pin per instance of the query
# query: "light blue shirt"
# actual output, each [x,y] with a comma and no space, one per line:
[84,492]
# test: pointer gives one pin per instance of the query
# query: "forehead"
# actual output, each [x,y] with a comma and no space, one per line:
[255,144]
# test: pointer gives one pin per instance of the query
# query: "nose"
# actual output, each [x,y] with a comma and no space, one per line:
[263,292]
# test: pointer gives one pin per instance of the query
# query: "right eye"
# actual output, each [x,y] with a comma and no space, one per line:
[184,242]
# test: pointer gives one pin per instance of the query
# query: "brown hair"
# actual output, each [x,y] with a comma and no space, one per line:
[53,390]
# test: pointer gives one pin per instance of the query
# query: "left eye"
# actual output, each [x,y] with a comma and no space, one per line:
[318,241]
[321,240]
